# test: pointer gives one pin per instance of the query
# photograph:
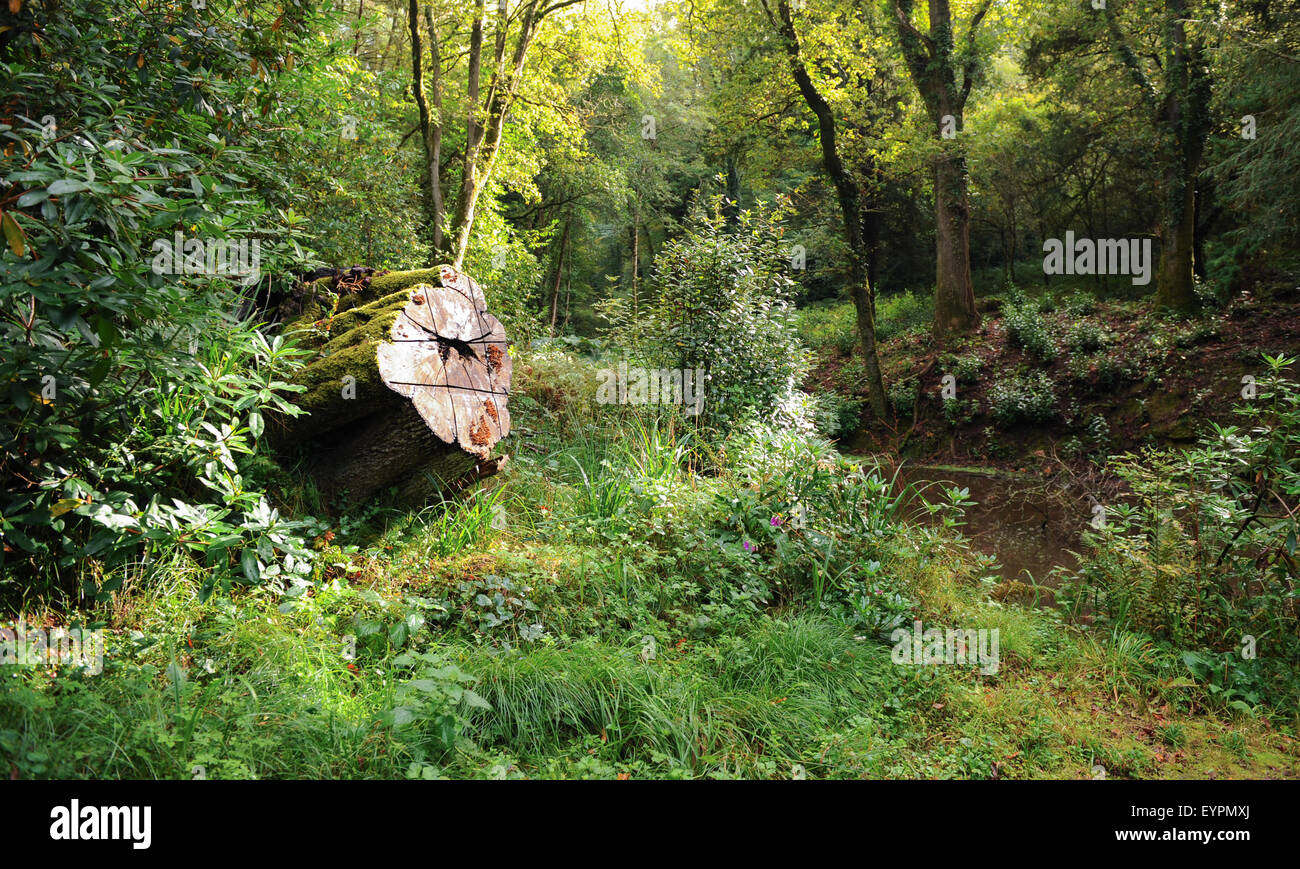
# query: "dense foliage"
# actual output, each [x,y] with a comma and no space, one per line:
[772,194]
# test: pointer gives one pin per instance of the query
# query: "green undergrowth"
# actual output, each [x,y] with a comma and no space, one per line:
[624,600]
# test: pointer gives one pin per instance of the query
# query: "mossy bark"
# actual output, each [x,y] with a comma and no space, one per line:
[358,435]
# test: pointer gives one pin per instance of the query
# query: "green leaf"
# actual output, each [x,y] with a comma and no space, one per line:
[252,569]
[474,701]
[33,197]
[428,686]
[65,186]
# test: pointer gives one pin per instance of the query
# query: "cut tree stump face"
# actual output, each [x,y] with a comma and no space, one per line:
[407,392]
[449,356]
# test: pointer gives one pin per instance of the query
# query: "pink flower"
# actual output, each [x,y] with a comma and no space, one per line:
[749,547]
[776,521]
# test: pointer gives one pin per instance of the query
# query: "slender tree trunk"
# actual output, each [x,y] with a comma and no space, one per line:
[568,290]
[731,210]
[356,37]
[1015,240]
[435,144]
[559,272]
[431,188]
[463,219]
[483,139]
[1207,214]
[387,53]
[864,305]
[636,253]
[1042,241]
[1006,253]
[850,198]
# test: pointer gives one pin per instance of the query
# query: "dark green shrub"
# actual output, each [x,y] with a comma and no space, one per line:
[1027,329]
[1022,399]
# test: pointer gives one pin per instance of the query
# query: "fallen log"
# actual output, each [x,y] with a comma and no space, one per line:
[408,386]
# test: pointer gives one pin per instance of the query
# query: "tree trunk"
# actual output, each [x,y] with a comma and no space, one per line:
[434,149]
[954,293]
[356,37]
[850,197]
[485,119]
[430,130]
[636,259]
[1207,214]
[1175,287]
[559,273]
[408,388]
[1180,115]
[731,208]
[864,304]
[944,79]
[462,221]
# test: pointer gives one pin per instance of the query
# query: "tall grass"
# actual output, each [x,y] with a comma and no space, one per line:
[773,694]
[453,526]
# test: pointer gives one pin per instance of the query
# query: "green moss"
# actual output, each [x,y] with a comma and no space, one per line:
[385,285]
[382,285]
[350,352]
[1169,417]
[318,302]
[368,323]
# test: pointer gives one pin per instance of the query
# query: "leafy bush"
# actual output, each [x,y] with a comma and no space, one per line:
[967,368]
[723,304]
[1079,304]
[137,400]
[958,412]
[1094,443]
[1022,399]
[1104,370]
[1196,333]
[1085,336]
[1027,329]
[903,395]
[835,415]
